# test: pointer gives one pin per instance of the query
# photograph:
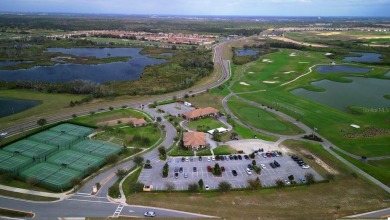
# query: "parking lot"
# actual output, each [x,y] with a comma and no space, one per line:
[268,174]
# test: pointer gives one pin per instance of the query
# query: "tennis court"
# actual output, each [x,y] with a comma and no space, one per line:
[54,138]
[10,162]
[96,148]
[76,160]
[51,175]
[76,130]
[30,149]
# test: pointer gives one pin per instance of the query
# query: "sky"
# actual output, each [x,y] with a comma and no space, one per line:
[367,8]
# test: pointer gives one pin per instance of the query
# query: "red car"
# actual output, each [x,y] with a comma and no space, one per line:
[223,169]
[208,168]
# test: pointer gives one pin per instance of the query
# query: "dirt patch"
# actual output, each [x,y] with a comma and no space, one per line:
[319,162]
[329,33]
[370,132]
[114,122]
[297,42]
[244,83]
[374,37]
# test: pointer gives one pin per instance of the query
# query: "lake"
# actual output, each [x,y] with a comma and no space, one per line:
[324,69]
[12,63]
[247,52]
[364,92]
[364,57]
[13,106]
[101,73]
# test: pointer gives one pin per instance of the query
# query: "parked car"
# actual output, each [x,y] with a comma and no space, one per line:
[208,168]
[176,175]
[150,214]
[287,182]
[248,171]
[191,159]
[250,166]
[246,157]
[185,175]
[200,158]
[234,172]
[183,159]
[276,163]
[272,165]
[206,187]
[223,169]
[208,158]
[235,157]
[231,157]
[239,157]
[3,134]
[180,169]
[262,166]
[187,159]
[268,155]
[302,180]
[212,158]
[226,158]
[263,155]
[194,169]
[176,169]
[305,166]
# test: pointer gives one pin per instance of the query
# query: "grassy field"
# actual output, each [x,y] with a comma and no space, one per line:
[262,119]
[246,133]
[324,201]
[205,124]
[223,150]
[381,173]
[94,119]
[50,103]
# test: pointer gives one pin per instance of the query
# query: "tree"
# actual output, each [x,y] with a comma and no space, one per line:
[121,173]
[169,186]
[136,187]
[186,96]
[165,170]
[138,160]
[224,186]
[279,183]
[254,183]
[193,187]
[216,136]
[217,170]
[111,108]
[75,181]
[174,47]
[291,178]
[159,119]
[113,158]
[201,184]
[42,122]
[310,178]
[233,135]
[162,151]
[254,162]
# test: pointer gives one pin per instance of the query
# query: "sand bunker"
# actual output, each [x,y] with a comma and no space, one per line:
[293,54]
[267,61]
[244,83]
[270,82]
[328,54]
[250,72]
[329,33]
[374,37]
[289,72]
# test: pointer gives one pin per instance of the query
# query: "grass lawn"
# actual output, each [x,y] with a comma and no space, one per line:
[119,135]
[246,133]
[206,99]
[50,103]
[262,119]
[324,201]
[205,124]
[223,150]
[26,196]
[93,119]
[380,173]
[14,213]
[130,179]
[179,151]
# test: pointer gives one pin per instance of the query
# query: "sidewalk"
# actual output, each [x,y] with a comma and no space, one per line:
[59,196]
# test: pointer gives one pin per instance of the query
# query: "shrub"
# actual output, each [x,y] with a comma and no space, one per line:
[224,186]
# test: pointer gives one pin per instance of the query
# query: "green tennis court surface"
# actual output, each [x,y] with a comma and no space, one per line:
[76,160]
[97,148]
[30,148]
[10,162]
[54,138]
[72,129]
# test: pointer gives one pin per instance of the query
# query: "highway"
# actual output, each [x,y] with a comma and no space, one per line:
[82,203]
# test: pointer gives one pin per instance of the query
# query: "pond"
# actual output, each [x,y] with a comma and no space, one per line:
[13,106]
[364,57]
[364,92]
[247,52]
[12,63]
[324,69]
[101,73]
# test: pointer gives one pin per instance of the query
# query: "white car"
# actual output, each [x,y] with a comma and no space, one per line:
[208,158]
[3,134]
[263,166]
[248,171]
[287,182]
[305,166]
[212,158]
[185,175]
[206,187]
[187,159]
[150,214]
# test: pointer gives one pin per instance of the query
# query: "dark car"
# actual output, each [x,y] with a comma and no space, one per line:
[234,172]
[276,163]
[268,155]
[272,165]
[176,175]
[250,166]
[223,169]
[246,157]
[200,158]
[239,157]
[208,168]
[183,159]
[231,157]
[194,169]
[180,169]
[222,158]
[176,169]
[235,157]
